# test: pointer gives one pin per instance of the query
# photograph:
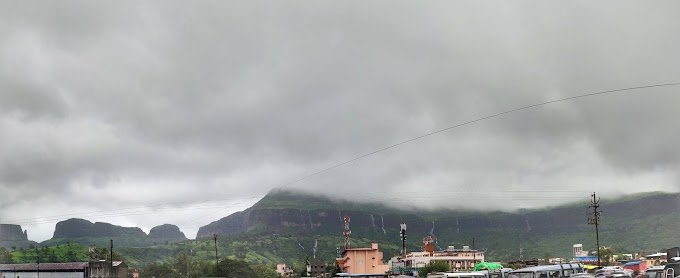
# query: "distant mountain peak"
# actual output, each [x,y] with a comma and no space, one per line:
[12,232]
[167,231]
[76,227]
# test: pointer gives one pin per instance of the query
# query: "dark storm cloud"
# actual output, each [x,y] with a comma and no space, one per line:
[169,102]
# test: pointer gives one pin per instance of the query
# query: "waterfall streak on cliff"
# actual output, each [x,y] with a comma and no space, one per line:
[382,224]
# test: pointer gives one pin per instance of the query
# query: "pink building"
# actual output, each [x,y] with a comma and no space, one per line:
[363,261]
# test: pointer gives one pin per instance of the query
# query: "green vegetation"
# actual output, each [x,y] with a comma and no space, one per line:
[5,256]
[71,252]
[436,266]
[226,268]
[631,224]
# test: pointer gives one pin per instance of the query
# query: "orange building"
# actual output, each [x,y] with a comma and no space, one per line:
[363,261]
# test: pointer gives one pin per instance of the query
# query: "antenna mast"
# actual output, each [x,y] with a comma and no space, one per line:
[346,232]
[402,233]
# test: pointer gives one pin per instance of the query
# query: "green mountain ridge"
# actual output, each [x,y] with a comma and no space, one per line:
[284,226]
[628,224]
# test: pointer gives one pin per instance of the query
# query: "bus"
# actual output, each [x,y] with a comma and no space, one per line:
[456,275]
[547,271]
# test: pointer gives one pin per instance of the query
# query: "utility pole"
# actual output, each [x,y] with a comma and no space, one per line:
[217,262]
[474,252]
[38,253]
[594,219]
[191,253]
[111,269]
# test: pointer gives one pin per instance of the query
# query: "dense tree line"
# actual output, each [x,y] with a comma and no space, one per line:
[184,267]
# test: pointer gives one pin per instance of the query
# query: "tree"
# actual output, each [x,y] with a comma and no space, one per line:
[265,272]
[158,270]
[182,264]
[299,269]
[5,256]
[333,268]
[71,256]
[435,266]
[235,269]
[606,255]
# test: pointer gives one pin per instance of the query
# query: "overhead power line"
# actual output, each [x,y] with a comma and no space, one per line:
[471,122]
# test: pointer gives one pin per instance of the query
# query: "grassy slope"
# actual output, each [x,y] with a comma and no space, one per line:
[55,254]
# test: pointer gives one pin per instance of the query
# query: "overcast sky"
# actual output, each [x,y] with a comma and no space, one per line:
[144,113]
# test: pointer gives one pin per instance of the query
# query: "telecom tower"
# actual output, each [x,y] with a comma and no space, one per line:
[402,234]
[346,232]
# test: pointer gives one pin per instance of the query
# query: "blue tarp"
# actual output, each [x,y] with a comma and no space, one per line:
[632,263]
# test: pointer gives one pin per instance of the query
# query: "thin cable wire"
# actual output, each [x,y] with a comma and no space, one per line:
[453,127]
[471,122]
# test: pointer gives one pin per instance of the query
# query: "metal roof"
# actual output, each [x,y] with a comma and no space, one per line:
[44,266]
[549,267]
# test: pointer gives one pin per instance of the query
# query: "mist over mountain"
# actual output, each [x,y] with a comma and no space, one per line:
[284,226]
[627,223]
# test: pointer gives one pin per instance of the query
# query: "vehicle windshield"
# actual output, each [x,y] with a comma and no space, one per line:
[656,273]
[521,275]
[496,275]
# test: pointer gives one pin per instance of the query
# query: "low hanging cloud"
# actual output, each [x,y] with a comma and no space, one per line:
[203,108]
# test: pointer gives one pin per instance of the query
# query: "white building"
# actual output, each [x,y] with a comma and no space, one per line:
[458,259]
[578,250]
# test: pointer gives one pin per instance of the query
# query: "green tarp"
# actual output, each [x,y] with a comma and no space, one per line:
[487,265]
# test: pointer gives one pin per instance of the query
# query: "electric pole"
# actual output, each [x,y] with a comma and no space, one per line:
[217,262]
[474,252]
[38,253]
[594,219]
[111,268]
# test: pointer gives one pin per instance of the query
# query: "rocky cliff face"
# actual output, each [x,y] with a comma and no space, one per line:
[626,223]
[167,232]
[74,228]
[11,232]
